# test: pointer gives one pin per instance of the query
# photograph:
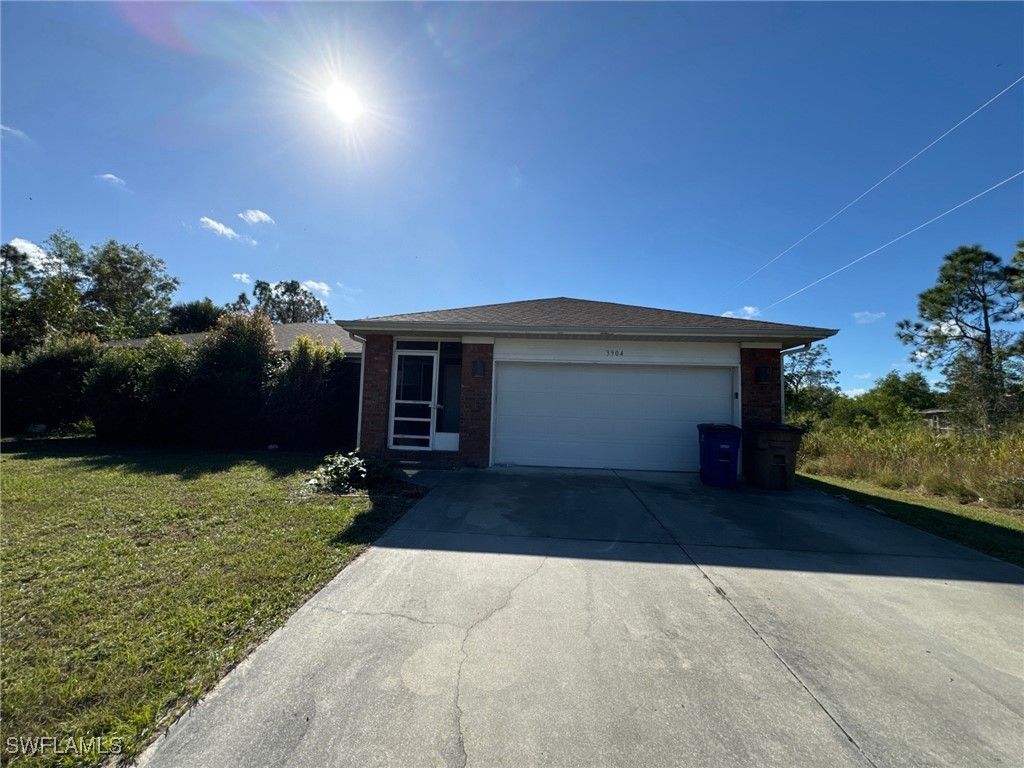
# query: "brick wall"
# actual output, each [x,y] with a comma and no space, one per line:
[761,402]
[377,356]
[475,424]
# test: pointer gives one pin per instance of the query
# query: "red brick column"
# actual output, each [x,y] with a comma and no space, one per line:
[475,422]
[761,402]
[377,357]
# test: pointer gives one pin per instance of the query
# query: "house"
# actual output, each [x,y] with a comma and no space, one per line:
[564,382]
[936,419]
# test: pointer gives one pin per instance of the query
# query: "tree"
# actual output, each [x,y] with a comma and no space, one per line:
[240,306]
[812,384]
[193,316]
[894,399]
[961,327]
[41,297]
[127,291]
[289,302]
[114,291]
[16,269]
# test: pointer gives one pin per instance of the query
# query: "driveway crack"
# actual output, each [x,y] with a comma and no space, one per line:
[721,593]
[392,614]
[463,758]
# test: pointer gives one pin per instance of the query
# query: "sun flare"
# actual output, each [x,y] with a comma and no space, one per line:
[344,102]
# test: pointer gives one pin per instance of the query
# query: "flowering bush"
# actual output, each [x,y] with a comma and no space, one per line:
[347,472]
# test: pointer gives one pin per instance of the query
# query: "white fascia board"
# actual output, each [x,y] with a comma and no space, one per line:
[477,339]
[771,334]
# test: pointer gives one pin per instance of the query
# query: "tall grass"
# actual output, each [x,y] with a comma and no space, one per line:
[963,466]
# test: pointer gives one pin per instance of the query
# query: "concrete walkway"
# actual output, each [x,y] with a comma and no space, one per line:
[588,618]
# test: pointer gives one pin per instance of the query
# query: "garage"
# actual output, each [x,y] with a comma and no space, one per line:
[607,416]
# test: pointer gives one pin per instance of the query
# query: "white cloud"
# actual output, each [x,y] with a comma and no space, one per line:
[255,216]
[36,255]
[744,313]
[348,293]
[221,229]
[867,375]
[867,317]
[317,287]
[6,130]
[242,277]
[110,178]
[854,392]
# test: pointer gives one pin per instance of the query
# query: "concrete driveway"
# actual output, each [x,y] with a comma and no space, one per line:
[589,618]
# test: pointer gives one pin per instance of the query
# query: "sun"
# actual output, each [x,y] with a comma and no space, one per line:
[344,102]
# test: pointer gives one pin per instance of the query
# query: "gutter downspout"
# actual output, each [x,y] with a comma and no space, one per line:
[362,375]
[782,375]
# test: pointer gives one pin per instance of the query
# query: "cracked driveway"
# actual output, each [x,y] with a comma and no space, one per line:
[519,617]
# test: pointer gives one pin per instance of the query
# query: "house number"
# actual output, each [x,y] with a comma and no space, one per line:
[614,352]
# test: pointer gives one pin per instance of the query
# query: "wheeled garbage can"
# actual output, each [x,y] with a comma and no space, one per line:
[769,455]
[719,453]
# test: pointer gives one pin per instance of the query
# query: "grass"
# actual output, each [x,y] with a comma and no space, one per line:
[996,532]
[133,580]
[964,467]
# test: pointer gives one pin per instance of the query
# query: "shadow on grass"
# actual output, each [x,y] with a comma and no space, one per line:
[386,508]
[997,541]
[185,463]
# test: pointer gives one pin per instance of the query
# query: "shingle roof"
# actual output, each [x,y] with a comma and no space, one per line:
[565,314]
[285,335]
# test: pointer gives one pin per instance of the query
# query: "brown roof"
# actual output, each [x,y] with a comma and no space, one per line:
[285,335]
[566,316]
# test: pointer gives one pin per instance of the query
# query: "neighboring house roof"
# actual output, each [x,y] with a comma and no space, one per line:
[563,317]
[285,335]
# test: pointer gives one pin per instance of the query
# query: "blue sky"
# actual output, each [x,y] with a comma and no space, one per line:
[652,154]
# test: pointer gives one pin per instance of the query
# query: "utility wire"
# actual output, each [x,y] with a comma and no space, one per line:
[894,240]
[875,185]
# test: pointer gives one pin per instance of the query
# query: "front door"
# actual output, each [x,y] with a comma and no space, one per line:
[414,400]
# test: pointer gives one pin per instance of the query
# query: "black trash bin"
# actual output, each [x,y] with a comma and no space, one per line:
[719,453]
[769,455]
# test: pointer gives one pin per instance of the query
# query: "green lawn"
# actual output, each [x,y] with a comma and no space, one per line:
[997,532]
[133,580]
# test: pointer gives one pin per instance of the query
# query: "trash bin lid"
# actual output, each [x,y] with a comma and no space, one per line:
[724,427]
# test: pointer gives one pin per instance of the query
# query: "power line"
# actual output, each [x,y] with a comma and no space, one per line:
[894,240]
[875,185]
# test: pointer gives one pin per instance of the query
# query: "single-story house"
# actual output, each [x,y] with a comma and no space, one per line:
[564,382]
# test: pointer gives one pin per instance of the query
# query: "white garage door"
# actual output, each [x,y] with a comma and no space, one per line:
[606,416]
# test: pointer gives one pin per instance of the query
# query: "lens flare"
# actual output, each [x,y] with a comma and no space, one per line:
[344,102]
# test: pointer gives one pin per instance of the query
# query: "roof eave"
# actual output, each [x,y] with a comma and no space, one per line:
[798,335]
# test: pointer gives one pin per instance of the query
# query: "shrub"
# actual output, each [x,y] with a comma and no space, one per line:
[47,386]
[12,393]
[140,394]
[1006,492]
[305,397]
[111,393]
[225,394]
[344,473]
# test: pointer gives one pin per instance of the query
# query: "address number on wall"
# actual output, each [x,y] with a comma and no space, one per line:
[614,352]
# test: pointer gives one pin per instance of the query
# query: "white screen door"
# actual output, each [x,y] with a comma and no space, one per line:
[414,399]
